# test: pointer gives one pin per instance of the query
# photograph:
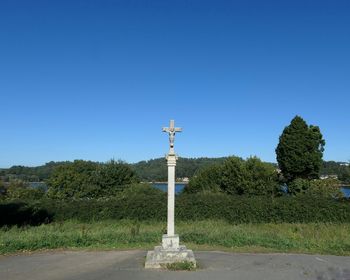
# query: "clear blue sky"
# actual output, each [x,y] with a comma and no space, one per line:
[98,79]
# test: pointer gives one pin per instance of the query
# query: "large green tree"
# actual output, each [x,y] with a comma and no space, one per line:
[300,150]
[237,177]
[86,179]
[112,177]
[207,179]
[73,180]
[249,177]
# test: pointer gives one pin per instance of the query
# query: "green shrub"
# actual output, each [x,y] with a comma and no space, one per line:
[147,204]
[21,213]
[298,186]
[234,176]
[263,178]
[183,265]
[141,189]
[18,189]
[237,177]
[318,188]
[112,177]
[72,180]
[85,179]
[138,202]
[325,188]
[258,209]
[207,179]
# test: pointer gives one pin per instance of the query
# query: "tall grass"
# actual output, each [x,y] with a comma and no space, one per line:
[323,238]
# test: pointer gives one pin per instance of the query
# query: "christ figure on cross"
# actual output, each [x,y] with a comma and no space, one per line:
[172,130]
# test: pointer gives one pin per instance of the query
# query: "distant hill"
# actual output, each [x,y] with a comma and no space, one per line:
[156,169]
[341,169]
[30,174]
[151,170]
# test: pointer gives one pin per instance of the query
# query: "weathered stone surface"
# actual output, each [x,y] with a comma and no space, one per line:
[160,256]
[170,242]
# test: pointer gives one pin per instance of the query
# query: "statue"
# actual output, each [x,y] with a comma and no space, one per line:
[172,130]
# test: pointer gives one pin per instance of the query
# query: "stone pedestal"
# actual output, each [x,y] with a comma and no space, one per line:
[169,252]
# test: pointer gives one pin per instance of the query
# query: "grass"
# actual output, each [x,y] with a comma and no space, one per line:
[185,265]
[321,238]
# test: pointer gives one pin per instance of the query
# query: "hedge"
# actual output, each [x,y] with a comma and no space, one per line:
[189,207]
[262,209]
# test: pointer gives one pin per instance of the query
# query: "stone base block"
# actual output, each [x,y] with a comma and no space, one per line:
[170,242]
[159,257]
[169,252]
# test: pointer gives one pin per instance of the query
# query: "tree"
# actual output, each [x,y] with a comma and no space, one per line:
[86,179]
[250,177]
[72,180]
[300,150]
[207,179]
[113,177]
[237,177]
[234,178]
[298,186]
[263,177]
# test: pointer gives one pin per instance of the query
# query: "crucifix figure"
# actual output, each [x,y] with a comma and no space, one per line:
[172,130]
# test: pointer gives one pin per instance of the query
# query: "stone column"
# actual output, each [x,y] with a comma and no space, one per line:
[171,194]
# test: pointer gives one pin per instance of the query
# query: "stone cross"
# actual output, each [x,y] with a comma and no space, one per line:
[172,130]
[171,160]
[170,251]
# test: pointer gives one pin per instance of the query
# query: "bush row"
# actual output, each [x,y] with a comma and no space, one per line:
[139,206]
[262,209]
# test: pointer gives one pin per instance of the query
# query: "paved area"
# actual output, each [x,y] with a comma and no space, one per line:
[106,265]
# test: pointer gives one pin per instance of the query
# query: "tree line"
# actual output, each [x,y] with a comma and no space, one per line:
[299,155]
[155,170]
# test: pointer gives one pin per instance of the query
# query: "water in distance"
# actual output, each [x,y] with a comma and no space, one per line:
[164,187]
[346,191]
